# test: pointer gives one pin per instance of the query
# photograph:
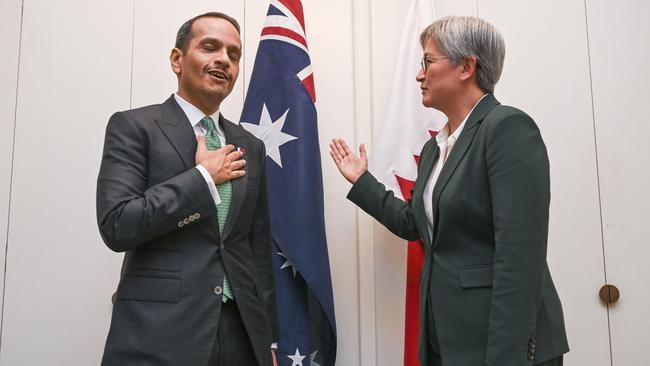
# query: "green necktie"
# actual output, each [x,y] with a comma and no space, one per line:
[225,193]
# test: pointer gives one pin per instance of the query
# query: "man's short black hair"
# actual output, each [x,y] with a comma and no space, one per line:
[185,31]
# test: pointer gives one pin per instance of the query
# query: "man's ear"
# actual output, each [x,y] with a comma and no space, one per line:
[176,60]
[469,68]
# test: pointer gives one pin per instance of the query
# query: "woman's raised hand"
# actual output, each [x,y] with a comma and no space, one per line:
[350,166]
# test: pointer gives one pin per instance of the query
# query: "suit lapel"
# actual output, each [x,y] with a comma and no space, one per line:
[427,162]
[462,145]
[176,127]
[235,137]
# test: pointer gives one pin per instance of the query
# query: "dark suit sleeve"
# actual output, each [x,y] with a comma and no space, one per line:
[129,212]
[261,242]
[396,215]
[518,173]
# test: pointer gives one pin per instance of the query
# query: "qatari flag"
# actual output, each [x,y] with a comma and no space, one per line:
[405,128]
[280,110]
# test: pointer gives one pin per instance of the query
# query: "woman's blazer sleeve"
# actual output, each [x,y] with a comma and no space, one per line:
[395,214]
[518,177]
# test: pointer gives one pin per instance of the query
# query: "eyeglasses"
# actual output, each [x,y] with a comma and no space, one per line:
[428,60]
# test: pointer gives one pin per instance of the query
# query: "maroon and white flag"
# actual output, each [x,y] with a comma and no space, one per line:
[406,127]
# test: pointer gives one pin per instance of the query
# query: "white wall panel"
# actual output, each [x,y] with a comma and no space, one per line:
[387,22]
[620,50]
[156,24]
[362,29]
[254,18]
[546,74]
[331,50]
[10,19]
[75,69]
[451,7]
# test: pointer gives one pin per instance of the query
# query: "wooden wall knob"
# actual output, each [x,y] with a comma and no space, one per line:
[609,294]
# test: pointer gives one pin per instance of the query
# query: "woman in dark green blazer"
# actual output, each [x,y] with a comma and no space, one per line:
[480,206]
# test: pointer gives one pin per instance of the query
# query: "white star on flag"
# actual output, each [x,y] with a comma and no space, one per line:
[288,263]
[311,359]
[296,358]
[271,133]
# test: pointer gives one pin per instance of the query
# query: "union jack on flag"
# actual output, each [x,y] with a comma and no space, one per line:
[279,109]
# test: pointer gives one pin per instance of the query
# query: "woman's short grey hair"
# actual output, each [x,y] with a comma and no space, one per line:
[459,37]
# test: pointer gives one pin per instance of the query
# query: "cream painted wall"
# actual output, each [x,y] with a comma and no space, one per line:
[619,49]
[10,21]
[332,55]
[74,71]
[155,25]
[547,75]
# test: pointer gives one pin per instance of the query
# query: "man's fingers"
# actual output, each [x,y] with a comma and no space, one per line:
[237,164]
[233,156]
[227,149]
[362,151]
[200,143]
[237,173]
[229,173]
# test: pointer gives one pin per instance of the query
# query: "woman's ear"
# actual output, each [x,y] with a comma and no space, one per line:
[468,68]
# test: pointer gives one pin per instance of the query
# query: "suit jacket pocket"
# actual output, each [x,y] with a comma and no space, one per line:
[145,288]
[476,276]
[158,259]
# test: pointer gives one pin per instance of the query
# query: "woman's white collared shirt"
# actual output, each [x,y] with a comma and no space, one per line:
[445,144]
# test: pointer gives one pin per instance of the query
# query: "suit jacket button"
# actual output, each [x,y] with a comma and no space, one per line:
[186,221]
[197,216]
[218,290]
[191,218]
[531,356]
[181,224]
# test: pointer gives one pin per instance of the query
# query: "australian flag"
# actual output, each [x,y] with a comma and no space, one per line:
[279,109]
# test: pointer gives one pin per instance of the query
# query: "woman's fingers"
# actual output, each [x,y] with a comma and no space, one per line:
[341,152]
[337,161]
[334,151]
[339,148]
[346,148]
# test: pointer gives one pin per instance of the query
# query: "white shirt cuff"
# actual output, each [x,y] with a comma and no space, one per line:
[274,345]
[211,186]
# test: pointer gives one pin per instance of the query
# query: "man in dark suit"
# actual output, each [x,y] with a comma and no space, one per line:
[182,192]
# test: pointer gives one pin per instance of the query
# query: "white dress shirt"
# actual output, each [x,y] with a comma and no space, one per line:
[445,144]
[194,115]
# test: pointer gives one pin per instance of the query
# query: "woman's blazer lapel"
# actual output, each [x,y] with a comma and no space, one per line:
[428,158]
[461,147]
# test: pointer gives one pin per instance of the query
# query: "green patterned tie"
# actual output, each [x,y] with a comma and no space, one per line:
[225,193]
